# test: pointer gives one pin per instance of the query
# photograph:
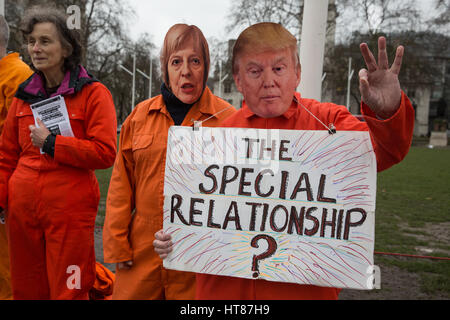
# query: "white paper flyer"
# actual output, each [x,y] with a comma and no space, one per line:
[53,113]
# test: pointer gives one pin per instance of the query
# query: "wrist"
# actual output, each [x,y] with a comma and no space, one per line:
[49,144]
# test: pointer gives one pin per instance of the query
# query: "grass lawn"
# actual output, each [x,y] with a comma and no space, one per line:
[103,177]
[412,215]
[412,195]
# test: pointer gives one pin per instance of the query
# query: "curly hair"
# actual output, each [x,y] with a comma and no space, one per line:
[70,38]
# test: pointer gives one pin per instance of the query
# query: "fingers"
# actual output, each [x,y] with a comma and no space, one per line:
[397,64]
[162,236]
[383,62]
[38,133]
[33,135]
[364,83]
[162,244]
[125,265]
[40,123]
[368,57]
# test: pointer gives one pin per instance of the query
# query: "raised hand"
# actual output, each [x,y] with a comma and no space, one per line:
[379,84]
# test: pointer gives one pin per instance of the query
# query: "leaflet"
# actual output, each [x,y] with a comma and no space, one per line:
[53,113]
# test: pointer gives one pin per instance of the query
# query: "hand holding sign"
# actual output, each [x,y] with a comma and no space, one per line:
[162,244]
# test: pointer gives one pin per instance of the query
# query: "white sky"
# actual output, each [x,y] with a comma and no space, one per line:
[157,16]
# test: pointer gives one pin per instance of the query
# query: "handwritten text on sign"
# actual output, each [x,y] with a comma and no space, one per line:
[279,205]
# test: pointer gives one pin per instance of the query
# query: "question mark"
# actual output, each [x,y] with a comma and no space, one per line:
[272,247]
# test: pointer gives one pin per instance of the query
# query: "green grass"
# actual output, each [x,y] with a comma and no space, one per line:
[414,192]
[412,198]
[103,177]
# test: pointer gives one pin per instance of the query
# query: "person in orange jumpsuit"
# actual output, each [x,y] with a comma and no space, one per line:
[266,70]
[13,71]
[50,199]
[134,207]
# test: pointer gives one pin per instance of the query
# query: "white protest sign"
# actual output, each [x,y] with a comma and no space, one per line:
[280,205]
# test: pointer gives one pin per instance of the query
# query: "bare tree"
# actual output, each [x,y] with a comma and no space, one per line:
[441,21]
[419,67]
[104,32]
[120,82]
[376,16]
[247,12]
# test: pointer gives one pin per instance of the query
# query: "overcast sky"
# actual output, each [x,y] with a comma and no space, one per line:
[157,16]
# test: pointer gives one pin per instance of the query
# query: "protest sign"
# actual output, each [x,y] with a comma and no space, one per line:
[280,205]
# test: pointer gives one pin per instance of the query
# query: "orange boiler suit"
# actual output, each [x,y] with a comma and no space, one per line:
[13,71]
[134,208]
[51,202]
[391,139]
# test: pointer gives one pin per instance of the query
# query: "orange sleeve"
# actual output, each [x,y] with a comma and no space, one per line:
[391,137]
[9,151]
[15,74]
[120,201]
[98,149]
[19,74]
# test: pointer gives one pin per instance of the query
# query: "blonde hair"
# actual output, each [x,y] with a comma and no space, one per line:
[176,38]
[262,37]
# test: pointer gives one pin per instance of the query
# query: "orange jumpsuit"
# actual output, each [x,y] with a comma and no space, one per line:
[13,71]
[103,285]
[134,208]
[51,203]
[391,139]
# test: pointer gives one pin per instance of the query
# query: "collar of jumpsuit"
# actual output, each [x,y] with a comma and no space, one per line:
[33,90]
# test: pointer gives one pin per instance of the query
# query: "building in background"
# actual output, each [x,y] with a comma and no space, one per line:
[227,90]
[425,74]
[430,96]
